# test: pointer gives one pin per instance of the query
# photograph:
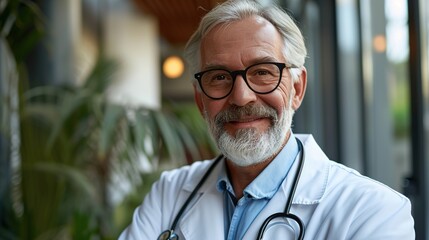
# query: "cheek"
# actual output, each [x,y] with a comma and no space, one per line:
[279,99]
[275,100]
[286,91]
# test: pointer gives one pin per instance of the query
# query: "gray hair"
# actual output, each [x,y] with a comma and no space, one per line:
[233,10]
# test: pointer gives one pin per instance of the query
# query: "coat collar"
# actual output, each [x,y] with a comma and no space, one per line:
[314,177]
[205,216]
[311,185]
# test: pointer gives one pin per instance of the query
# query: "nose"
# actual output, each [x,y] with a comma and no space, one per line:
[241,94]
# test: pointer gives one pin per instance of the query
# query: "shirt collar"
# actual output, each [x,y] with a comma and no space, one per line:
[269,180]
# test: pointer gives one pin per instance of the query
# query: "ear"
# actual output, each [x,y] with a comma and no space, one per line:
[198,99]
[299,88]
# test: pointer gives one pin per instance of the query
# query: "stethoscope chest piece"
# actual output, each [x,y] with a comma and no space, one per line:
[168,235]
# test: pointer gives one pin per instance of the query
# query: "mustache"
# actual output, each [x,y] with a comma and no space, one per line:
[235,113]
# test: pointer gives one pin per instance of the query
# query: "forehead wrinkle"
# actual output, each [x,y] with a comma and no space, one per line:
[260,50]
[248,63]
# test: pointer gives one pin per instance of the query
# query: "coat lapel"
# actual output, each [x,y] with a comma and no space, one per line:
[310,189]
[204,218]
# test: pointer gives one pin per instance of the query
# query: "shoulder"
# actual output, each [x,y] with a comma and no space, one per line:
[361,206]
[358,186]
[184,175]
[335,178]
[172,189]
[162,203]
[356,206]
[195,169]
[368,207]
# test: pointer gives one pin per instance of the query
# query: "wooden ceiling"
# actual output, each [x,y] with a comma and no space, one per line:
[177,19]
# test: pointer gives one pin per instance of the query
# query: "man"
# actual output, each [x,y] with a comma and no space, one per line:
[251,78]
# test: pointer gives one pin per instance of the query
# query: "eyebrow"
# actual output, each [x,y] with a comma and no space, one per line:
[253,61]
[214,66]
[263,59]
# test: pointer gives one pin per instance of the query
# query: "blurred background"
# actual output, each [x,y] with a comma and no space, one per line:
[96,101]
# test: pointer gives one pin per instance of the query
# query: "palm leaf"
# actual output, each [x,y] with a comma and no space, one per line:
[21,22]
[170,138]
[71,175]
[113,114]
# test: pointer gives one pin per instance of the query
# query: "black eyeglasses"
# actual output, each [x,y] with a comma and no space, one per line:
[261,78]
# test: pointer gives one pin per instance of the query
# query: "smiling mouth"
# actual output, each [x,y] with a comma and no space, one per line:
[249,122]
[247,119]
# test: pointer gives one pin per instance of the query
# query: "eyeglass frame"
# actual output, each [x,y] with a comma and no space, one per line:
[198,76]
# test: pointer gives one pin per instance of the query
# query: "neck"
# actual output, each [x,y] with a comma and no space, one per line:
[241,177]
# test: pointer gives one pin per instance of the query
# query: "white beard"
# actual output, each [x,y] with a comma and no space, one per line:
[248,147]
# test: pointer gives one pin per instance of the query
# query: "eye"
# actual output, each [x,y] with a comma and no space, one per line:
[219,77]
[216,76]
[262,72]
[259,72]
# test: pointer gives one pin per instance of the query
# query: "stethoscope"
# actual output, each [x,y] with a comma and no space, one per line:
[171,235]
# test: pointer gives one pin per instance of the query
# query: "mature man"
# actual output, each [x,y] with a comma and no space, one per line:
[269,183]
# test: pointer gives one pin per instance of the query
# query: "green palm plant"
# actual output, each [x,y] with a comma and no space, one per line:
[73,142]
[82,139]
[21,27]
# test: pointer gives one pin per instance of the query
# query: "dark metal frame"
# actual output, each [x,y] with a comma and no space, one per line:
[327,129]
[418,184]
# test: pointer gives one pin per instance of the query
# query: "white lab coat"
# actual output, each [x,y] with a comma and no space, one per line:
[333,201]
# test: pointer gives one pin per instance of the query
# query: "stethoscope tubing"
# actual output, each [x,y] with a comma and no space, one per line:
[200,183]
[284,214]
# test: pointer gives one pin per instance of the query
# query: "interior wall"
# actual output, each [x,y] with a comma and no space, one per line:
[132,39]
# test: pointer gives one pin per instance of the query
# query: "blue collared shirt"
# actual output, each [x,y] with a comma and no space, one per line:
[257,194]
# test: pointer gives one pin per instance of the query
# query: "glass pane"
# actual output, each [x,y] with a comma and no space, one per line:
[398,58]
[373,85]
